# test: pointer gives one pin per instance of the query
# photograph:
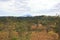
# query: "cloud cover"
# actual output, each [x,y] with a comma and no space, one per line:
[31,7]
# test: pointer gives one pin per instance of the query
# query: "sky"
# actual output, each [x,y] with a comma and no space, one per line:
[29,7]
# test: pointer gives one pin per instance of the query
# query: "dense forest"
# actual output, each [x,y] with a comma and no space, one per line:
[30,28]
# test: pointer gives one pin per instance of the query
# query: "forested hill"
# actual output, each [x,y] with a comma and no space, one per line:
[30,18]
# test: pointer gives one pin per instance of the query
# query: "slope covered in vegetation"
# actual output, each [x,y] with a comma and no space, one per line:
[30,28]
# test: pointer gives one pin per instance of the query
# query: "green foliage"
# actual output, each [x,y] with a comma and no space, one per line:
[23,24]
[14,38]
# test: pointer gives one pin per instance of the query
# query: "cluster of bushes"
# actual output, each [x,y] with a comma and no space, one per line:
[24,24]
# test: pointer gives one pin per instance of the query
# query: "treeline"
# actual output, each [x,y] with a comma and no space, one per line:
[29,24]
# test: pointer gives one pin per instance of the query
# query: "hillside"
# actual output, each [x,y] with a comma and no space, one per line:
[30,28]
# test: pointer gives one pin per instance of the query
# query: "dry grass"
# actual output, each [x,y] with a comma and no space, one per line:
[43,36]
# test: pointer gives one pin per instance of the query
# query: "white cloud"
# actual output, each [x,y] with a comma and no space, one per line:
[42,4]
[7,6]
[33,7]
[4,0]
[14,6]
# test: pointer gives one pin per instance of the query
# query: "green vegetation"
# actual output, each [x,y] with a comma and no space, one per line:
[22,27]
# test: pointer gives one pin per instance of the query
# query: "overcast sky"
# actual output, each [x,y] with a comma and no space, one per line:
[29,7]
